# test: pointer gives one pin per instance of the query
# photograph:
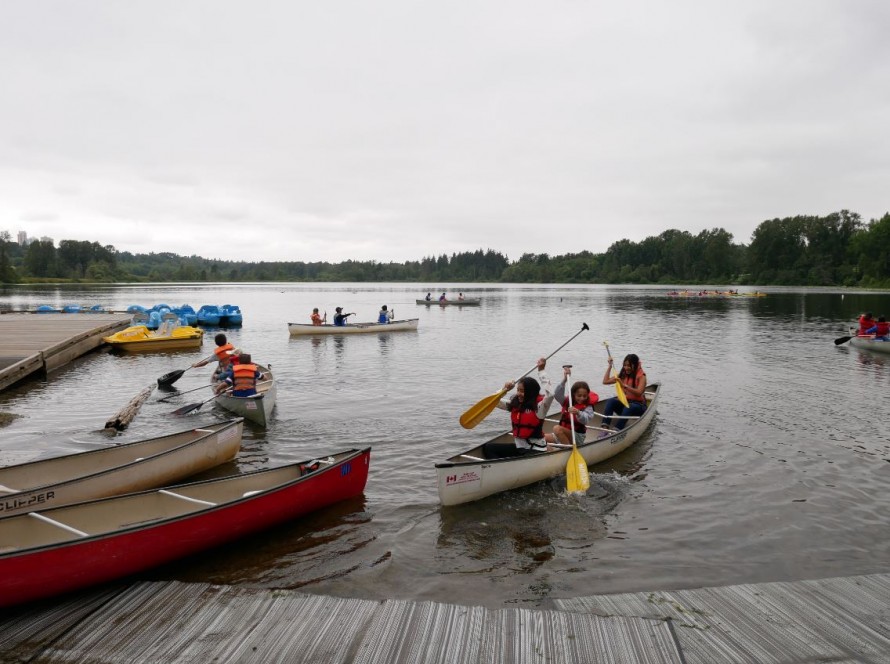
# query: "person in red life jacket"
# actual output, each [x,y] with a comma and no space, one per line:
[241,377]
[866,321]
[881,329]
[581,410]
[223,354]
[633,380]
[316,318]
[528,408]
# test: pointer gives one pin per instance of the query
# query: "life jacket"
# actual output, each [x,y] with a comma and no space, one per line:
[383,317]
[638,376]
[865,324]
[223,355]
[882,329]
[526,423]
[315,318]
[245,377]
[565,421]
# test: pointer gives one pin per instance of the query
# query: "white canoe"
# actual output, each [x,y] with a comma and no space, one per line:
[353,328]
[869,343]
[108,471]
[466,302]
[256,408]
[469,476]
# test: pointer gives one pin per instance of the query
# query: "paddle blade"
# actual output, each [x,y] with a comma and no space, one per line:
[170,378]
[577,477]
[478,412]
[185,410]
[841,340]
[619,392]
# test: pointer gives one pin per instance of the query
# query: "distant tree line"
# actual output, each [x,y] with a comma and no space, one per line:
[835,250]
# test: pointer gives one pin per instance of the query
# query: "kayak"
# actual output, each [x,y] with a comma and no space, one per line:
[470,475]
[297,329]
[466,302]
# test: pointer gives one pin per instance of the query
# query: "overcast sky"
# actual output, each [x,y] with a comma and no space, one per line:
[394,130]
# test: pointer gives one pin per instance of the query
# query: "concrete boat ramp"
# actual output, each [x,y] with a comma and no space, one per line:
[42,343]
[838,620]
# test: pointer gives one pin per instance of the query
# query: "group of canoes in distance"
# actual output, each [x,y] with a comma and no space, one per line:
[714,293]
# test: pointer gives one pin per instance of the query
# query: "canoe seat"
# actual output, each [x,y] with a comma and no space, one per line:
[6,489]
[57,524]
[197,501]
[474,458]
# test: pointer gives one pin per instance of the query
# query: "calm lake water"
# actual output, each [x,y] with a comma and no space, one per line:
[767,461]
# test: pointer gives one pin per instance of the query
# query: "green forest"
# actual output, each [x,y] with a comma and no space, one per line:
[836,250]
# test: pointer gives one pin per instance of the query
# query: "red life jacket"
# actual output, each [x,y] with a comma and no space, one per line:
[526,423]
[565,421]
[883,329]
[245,377]
[865,323]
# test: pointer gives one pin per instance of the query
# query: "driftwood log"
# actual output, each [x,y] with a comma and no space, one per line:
[120,421]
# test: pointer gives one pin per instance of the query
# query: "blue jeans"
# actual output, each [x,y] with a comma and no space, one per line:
[615,407]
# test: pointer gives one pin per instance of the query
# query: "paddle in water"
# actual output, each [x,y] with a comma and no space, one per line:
[619,388]
[481,409]
[577,477]
[194,407]
[841,340]
[179,394]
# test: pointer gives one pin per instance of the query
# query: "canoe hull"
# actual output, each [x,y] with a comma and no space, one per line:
[871,344]
[466,302]
[297,329]
[258,408]
[462,479]
[110,471]
[181,528]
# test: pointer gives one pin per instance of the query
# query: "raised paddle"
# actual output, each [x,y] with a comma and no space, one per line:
[169,378]
[479,411]
[178,394]
[619,388]
[577,477]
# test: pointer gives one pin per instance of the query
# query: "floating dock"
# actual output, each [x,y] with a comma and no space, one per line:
[31,343]
[841,620]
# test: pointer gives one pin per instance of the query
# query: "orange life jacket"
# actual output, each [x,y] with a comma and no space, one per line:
[245,377]
[637,378]
[316,319]
[526,423]
[222,353]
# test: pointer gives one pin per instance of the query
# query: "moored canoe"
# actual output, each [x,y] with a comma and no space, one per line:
[124,468]
[469,476]
[57,550]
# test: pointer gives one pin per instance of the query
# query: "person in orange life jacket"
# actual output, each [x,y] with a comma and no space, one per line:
[316,318]
[340,317]
[880,329]
[223,354]
[528,408]
[633,380]
[581,410]
[385,315]
[866,321]
[241,378]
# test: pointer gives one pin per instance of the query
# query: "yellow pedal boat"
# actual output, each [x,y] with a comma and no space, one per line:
[140,338]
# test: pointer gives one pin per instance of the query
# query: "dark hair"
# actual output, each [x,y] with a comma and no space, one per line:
[579,384]
[244,358]
[881,319]
[338,309]
[634,366]
[384,307]
[532,389]
[220,339]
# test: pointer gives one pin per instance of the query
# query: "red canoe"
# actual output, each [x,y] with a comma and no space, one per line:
[48,552]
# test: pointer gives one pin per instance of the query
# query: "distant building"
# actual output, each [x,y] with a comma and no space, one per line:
[23,238]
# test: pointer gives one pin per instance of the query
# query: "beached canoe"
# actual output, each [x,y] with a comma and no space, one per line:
[297,329]
[139,338]
[470,475]
[257,408]
[57,550]
[466,302]
[870,343]
[120,469]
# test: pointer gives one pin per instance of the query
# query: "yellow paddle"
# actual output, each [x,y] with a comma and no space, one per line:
[577,477]
[479,411]
[619,388]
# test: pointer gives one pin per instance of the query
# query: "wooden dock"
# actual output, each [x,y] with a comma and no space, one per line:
[840,620]
[42,343]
